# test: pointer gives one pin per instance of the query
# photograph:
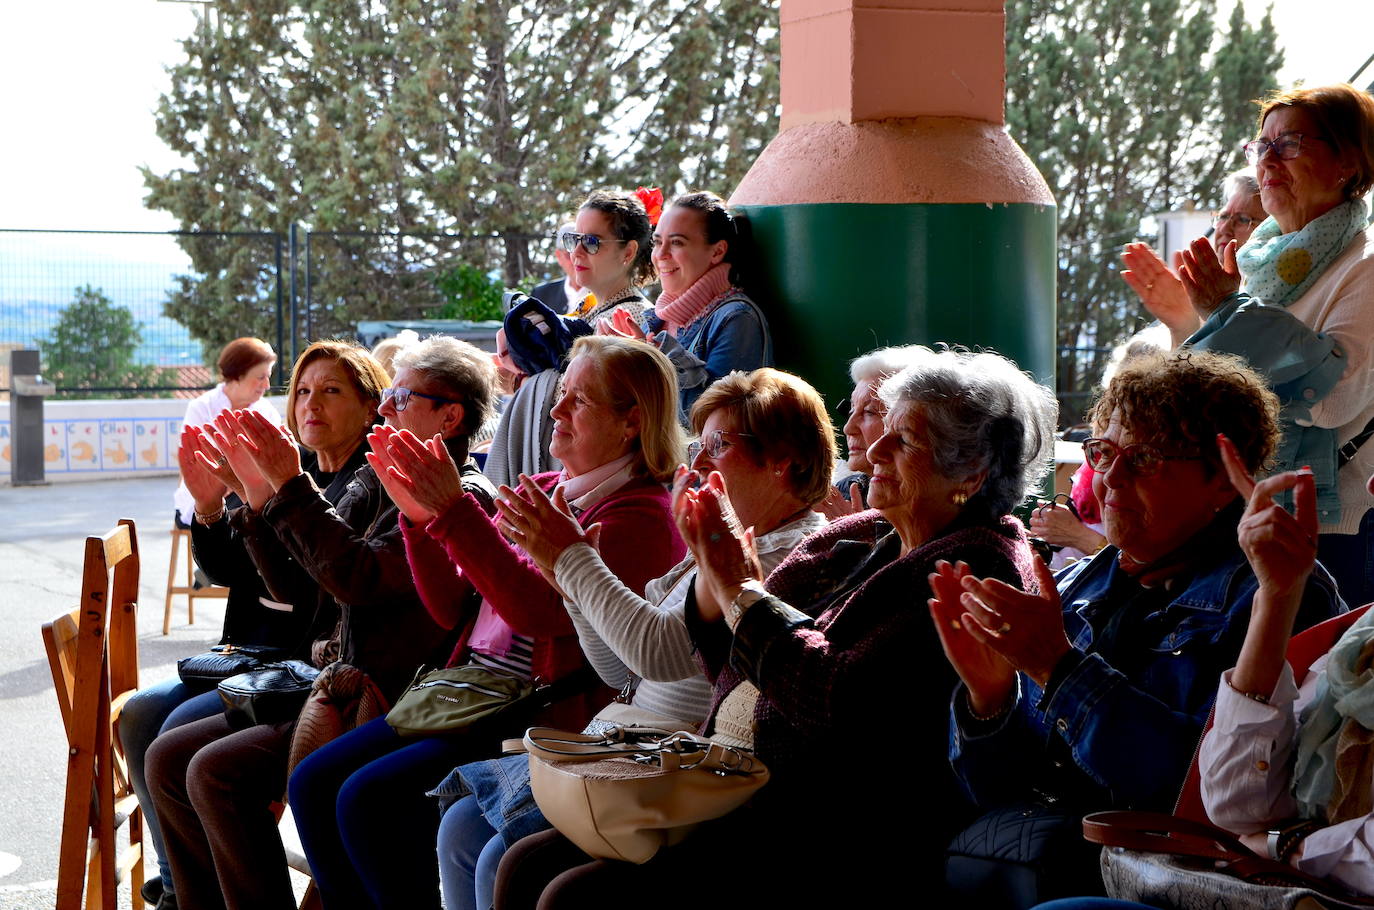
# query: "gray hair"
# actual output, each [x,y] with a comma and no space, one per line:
[1244,181]
[462,370]
[884,362]
[982,414]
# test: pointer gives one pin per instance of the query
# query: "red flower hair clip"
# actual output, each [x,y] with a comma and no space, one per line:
[652,197]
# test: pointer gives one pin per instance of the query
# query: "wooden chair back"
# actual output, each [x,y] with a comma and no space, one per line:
[93,657]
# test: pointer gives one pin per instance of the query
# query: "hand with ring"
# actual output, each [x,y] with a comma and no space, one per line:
[1160,290]
[1026,629]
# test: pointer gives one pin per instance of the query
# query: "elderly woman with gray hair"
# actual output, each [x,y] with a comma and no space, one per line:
[865,425]
[832,666]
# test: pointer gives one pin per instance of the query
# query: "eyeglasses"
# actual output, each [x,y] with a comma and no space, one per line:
[713,444]
[1143,459]
[399,396]
[1236,219]
[590,242]
[1287,146]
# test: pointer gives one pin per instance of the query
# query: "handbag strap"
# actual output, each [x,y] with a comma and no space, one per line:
[1347,451]
[1157,832]
[674,751]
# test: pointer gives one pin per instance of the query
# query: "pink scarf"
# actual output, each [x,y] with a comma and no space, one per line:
[681,310]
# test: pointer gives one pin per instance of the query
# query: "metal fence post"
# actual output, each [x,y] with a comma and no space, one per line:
[295,314]
[283,364]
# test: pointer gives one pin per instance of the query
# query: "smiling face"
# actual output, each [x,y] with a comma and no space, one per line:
[331,415]
[1300,189]
[587,431]
[906,485]
[681,253]
[1149,517]
[608,272]
[251,386]
[864,426]
[754,484]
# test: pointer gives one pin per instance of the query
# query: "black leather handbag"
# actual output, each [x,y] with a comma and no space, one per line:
[203,671]
[1020,856]
[271,694]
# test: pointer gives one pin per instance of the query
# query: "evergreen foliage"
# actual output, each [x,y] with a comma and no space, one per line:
[92,346]
[1128,108]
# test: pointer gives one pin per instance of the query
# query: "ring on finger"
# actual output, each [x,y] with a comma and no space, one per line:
[221,461]
[1004,628]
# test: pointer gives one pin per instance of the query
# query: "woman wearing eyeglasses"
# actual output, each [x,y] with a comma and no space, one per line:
[1305,304]
[366,824]
[343,560]
[610,248]
[769,436]
[1159,287]
[1092,694]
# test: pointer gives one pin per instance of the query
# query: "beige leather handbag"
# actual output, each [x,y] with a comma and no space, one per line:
[628,792]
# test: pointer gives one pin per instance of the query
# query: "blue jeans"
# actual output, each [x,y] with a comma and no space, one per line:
[469,852]
[150,712]
[366,825]
[1350,560]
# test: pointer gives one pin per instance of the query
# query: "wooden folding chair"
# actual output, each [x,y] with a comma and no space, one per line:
[93,655]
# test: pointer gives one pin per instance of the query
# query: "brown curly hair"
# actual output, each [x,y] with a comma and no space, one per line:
[1185,398]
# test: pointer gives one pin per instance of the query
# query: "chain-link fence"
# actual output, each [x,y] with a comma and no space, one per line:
[126,313]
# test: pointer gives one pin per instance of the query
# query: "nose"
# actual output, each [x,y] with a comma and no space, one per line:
[387,408]
[559,408]
[702,462]
[877,453]
[1117,474]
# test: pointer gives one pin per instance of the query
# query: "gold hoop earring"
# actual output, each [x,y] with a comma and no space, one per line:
[959,497]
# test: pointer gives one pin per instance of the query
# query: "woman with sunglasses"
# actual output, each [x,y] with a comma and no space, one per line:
[1092,694]
[366,824]
[706,324]
[1297,302]
[610,247]
[769,436]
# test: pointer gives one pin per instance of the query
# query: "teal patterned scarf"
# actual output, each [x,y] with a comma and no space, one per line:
[1279,268]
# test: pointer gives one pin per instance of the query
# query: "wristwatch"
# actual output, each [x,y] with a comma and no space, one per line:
[750,593]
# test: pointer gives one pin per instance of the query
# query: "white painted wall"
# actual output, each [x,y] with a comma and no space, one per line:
[104,439]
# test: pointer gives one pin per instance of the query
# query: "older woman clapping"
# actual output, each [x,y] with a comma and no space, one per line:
[366,824]
[1306,304]
[768,435]
[1101,687]
[836,653]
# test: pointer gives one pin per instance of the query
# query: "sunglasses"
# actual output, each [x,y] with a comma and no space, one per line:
[399,396]
[569,240]
[1143,459]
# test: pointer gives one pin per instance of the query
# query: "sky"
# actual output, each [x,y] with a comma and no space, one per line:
[81,80]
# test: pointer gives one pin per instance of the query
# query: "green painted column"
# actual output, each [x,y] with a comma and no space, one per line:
[892,207]
[845,278]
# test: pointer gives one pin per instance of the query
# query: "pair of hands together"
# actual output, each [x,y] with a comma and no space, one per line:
[241,451]
[1184,296]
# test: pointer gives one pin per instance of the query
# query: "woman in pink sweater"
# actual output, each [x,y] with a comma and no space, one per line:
[366,825]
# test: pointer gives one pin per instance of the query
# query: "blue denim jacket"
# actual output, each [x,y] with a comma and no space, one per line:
[1301,365]
[1098,738]
[732,336]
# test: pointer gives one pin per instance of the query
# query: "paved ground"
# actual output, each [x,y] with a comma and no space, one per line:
[42,530]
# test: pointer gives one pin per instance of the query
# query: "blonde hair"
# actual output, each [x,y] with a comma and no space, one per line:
[780,416]
[362,368]
[636,374]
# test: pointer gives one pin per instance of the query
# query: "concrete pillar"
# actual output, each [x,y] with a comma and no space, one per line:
[892,207]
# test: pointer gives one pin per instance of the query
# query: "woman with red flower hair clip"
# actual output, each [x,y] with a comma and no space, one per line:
[610,247]
[703,321]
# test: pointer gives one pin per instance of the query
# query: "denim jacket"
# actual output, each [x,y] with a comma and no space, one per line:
[1301,365]
[733,335]
[1099,738]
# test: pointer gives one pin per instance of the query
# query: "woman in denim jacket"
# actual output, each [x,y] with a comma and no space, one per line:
[1101,688]
[703,321]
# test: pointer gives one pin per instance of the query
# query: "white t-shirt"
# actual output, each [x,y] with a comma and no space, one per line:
[201,411]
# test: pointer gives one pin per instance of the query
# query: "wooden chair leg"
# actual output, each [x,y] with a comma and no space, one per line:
[171,581]
[190,582]
[311,899]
